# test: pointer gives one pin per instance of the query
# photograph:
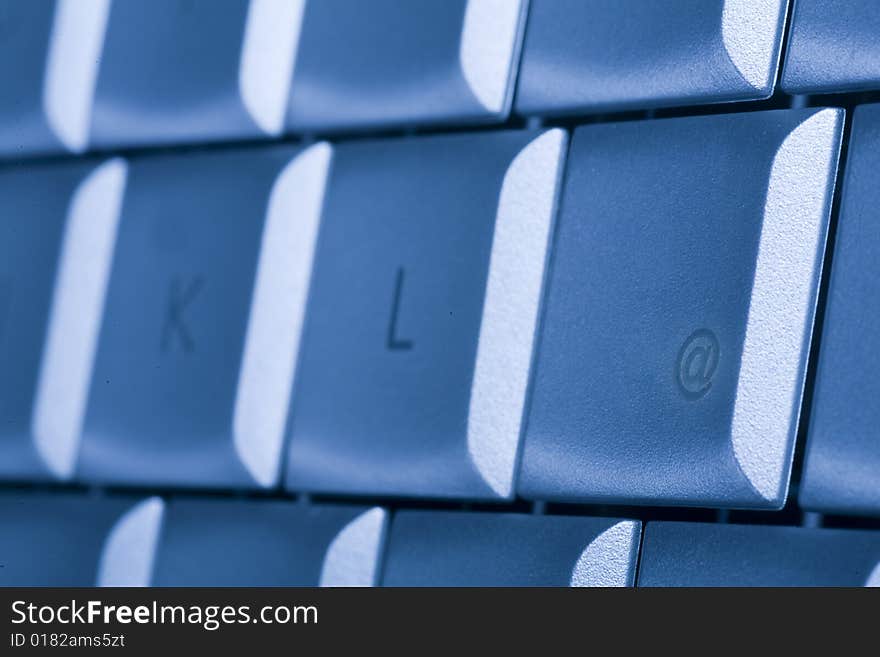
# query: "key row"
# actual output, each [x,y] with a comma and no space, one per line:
[188,542]
[374,306]
[80,74]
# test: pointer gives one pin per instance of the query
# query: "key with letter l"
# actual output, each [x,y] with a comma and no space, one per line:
[680,308]
[423,307]
[199,343]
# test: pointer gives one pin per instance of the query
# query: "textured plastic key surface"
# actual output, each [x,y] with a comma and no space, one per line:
[842,468]
[593,55]
[265,543]
[199,340]
[422,313]
[693,554]
[679,312]
[53,241]
[25,31]
[489,549]
[386,62]
[66,540]
[833,47]
[168,71]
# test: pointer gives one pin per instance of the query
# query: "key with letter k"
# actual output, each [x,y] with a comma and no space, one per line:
[200,338]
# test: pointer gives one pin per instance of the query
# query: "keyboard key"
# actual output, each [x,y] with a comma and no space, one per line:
[422,314]
[170,71]
[56,240]
[608,55]
[833,48]
[49,56]
[679,310]
[25,30]
[198,349]
[693,554]
[263,543]
[493,549]
[842,468]
[59,540]
[75,54]
[386,62]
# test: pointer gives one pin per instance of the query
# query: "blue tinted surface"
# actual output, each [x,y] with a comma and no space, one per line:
[644,388]
[24,43]
[652,272]
[833,46]
[582,55]
[245,543]
[842,469]
[469,549]
[370,64]
[691,554]
[388,352]
[161,402]
[169,73]
[54,540]
[33,205]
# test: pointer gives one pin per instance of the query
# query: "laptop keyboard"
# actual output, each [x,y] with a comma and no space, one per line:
[439,293]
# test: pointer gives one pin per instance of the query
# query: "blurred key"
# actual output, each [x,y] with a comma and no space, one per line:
[199,341]
[56,240]
[842,468]
[61,540]
[25,30]
[680,308]
[693,554]
[386,62]
[422,314]
[489,549]
[264,543]
[49,56]
[170,71]
[833,47]
[597,55]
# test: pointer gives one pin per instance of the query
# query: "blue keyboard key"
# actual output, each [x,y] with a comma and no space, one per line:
[679,310]
[59,540]
[49,56]
[25,31]
[71,56]
[842,468]
[693,554]
[56,242]
[386,62]
[493,549]
[264,543]
[422,313]
[597,55]
[199,342]
[170,71]
[833,47]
